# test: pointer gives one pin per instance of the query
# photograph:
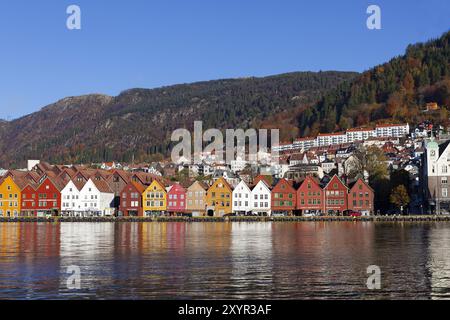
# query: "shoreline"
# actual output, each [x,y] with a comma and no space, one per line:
[415,218]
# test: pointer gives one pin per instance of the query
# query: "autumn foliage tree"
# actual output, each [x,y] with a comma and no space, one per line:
[399,197]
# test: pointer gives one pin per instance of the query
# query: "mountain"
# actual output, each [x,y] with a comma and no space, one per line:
[137,124]
[395,91]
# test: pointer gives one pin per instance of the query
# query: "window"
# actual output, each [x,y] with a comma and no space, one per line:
[444,180]
[444,192]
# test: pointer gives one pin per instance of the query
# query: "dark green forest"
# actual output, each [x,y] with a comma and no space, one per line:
[397,90]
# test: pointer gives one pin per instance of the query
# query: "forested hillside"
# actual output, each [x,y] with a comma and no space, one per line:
[396,91]
[138,123]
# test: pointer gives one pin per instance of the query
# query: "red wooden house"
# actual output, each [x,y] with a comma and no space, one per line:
[43,198]
[29,200]
[336,194]
[310,196]
[131,200]
[284,198]
[361,197]
[176,199]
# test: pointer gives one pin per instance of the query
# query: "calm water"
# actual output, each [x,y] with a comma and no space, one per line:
[224,260]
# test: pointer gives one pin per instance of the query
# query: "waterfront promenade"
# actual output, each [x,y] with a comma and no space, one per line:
[379,218]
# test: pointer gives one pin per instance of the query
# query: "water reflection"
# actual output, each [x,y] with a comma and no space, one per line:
[29,260]
[90,246]
[251,260]
[439,262]
[224,260]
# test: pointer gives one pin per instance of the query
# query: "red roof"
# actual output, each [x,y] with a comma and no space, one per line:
[385,125]
[331,134]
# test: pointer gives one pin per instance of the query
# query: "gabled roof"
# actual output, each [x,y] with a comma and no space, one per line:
[102,186]
[161,186]
[125,176]
[242,182]
[263,178]
[58,183]
[224,182]
[145,178]
[139,187]
[283,181]
[309,178]
[334,178]
[176,186]
[353,184]
[21,182]
[78,184]
[202,185]
[443,146]
[263,182]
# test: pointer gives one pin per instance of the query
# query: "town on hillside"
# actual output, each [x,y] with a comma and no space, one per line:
[388,169]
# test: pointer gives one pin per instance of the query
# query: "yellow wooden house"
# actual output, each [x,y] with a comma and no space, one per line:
[218,198]
[154,199]
[10,198]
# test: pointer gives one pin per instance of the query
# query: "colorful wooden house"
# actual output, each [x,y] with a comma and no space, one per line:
[284,197]
[10,196]
[43,198]
[361,197]
[336,196]
[176,199]
[310,197]
[261,199]
[242,199]
[97,198]
[71,204]
[29,200]
[196,198]
[117,181]
[218,198]
[154,199]
[131,200]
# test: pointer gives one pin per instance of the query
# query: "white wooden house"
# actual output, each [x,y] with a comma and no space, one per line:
[97,198]
[242,199]
[261,199]
[70,199]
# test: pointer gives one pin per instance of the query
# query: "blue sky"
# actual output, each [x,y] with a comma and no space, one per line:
[151,43]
